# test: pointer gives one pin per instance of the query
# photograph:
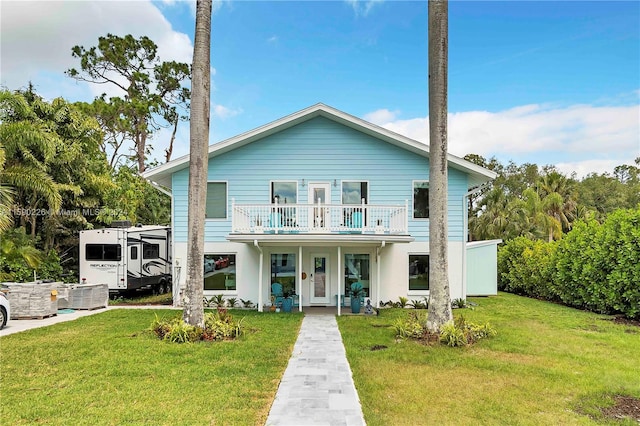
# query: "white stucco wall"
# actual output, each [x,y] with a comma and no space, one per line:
[394,270]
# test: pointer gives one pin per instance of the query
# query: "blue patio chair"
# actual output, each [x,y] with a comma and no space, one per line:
[356,222]
[275,220]
[276,290]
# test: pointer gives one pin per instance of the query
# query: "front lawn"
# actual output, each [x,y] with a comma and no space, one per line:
[549,364]
[106,369]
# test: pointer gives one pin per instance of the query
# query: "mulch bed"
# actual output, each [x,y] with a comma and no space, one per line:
[378,347]
[626,321]
[625,407]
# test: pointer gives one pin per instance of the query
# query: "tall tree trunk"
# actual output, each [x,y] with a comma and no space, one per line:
[141,147]
[169,151]
[198,165]
[439,293]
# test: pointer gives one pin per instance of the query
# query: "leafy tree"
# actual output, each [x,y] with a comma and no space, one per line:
[440,296]
[193,313]
[52,162]
[153,91]
[18,256]
[133,198]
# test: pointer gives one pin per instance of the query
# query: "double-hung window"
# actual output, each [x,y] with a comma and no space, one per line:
[286,195]
[216,200]
[420,199]
[353,193]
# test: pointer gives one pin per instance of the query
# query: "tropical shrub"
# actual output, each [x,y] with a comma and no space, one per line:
[595,266]
[218,325]
[525,268]
[454,333]
[461,333]
[412,326]
[598,266]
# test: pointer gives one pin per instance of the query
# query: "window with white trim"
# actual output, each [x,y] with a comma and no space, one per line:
[421,199]
[216,200]
[418,272]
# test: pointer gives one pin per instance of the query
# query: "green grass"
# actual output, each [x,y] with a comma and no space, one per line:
[549,364]
[107,369]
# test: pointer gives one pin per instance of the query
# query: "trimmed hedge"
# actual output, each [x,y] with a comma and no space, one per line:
[595,266]
[525,268]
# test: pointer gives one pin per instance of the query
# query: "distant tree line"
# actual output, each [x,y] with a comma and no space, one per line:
[541,203]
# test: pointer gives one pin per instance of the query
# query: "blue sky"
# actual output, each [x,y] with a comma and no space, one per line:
[543,82]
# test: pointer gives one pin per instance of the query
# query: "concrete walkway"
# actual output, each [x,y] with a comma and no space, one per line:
[317,387]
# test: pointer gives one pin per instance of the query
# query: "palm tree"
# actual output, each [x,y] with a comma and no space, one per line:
[27,146]
[440,296]
[558,197]
[6,198]
[199,163]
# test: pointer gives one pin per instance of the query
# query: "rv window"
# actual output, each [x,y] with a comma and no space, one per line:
[134,253]
[103,252]
[150,251]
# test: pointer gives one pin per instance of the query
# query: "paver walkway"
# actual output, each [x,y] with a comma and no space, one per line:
[317,387]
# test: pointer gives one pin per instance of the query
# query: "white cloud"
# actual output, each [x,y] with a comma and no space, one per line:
[223,112]
[382,116]
[37,36]
[363,7]
[272,39]
[583,168]
[580,138]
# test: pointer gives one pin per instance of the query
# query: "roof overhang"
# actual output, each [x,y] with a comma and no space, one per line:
[330,240]
[161,175]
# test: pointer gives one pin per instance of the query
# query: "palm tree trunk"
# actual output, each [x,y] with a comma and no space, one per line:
[439,293]
[198,165]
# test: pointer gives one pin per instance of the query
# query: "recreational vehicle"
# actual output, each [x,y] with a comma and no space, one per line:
[127,257]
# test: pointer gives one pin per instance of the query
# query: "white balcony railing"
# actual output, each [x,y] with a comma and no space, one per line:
[319,218]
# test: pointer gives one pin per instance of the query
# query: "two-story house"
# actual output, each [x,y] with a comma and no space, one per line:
[318,200]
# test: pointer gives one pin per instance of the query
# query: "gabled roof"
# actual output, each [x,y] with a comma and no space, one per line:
[161,175]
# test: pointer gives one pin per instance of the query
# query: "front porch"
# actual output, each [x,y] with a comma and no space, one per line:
[317,267]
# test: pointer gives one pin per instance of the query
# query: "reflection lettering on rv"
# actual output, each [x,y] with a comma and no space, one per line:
[103,266]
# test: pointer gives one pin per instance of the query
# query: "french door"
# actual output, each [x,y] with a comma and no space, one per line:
[320,278]
[319,196]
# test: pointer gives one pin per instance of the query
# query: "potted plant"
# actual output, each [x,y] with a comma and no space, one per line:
[272,308]
[356,294]
[287,301]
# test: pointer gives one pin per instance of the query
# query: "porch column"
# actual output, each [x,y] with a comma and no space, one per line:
[260,297]
[378,250]
[339,279]
[299,279]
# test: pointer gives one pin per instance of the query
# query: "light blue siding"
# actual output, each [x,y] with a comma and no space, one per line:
[319,150]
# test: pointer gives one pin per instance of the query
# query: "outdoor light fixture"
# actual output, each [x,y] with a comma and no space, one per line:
[303,184]
[335,183]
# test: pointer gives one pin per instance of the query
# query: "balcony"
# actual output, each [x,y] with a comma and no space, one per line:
[319,219]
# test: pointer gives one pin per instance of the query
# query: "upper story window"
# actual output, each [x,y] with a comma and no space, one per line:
[421,199]
[216,200]
[354,192]
[284,192]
